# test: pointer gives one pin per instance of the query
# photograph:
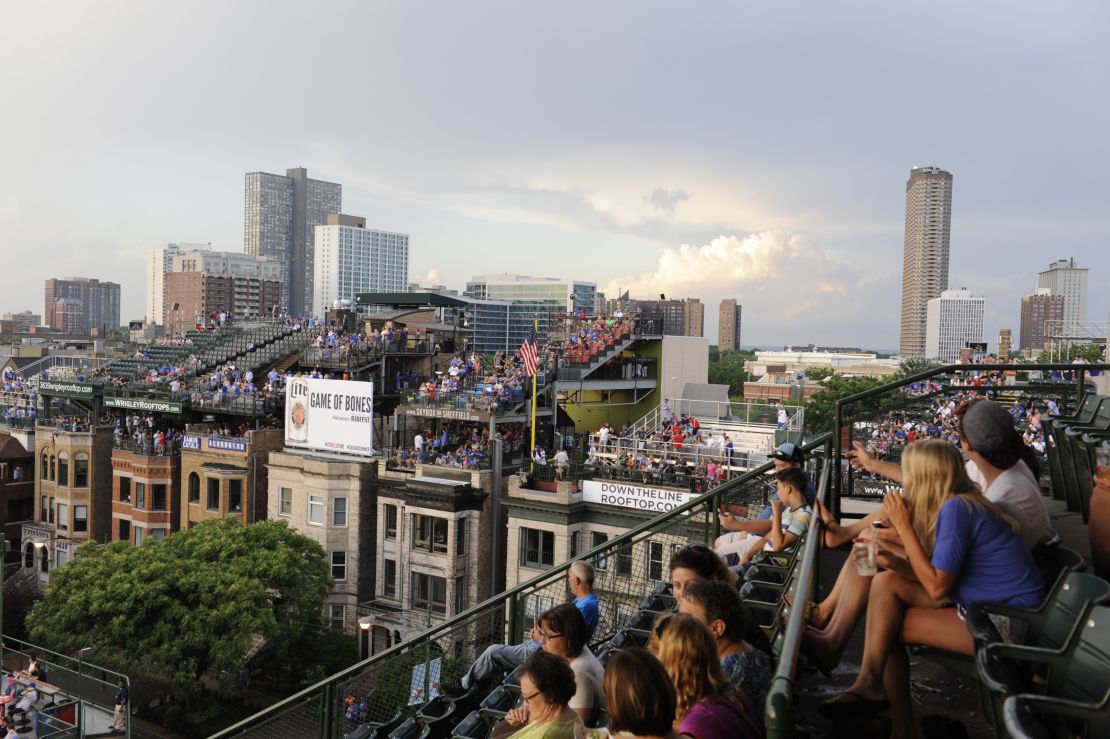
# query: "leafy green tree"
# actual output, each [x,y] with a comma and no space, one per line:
[1089,352]
[821,406]
[818,374]
[189,604]
[729,373]
[912,366]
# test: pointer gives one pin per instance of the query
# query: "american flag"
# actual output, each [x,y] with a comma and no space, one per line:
[527,353]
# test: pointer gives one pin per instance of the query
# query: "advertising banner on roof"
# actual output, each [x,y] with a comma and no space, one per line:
[330,415]
[627,495]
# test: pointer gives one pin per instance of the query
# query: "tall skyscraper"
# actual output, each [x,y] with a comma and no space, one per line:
[953,320]
[280,215]
[1065,277]
[352,259]
[728,325]
[694,323]
[99,305]
[924,252]
[1040,313]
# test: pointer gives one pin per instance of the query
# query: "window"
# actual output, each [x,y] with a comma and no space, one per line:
[429,592]
[534,607]
[316,509]
[44,508]
[537,548]
[339,566]
[124,530]
[44,473]
[390,521]
[389,578]
[573,544]
[213,494]
[285,503]
[460,536]
[429,533]
[596,540]
[235,496]
[80,518]
[140,534]
[52,468]
[158,497]
[194,487]
[157,533]
[338,511]
[624,560]
[63,469]
[655,561]
[460,594]
[63,517]
[337,616]
[140,495]
[81,471]
[52,509]
[125,490]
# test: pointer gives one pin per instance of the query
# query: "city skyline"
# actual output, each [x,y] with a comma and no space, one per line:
[519,174]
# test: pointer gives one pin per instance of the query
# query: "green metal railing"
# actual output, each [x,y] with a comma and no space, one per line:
[398,681]
[779,708]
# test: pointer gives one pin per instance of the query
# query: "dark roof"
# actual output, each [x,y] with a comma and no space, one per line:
[410,300]
[21,362]
[10,448]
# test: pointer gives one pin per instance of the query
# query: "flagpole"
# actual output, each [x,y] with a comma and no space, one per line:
[536,329]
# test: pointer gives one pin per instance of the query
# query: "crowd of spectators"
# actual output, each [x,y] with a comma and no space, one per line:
[889,437]
[457,444]
[18,401]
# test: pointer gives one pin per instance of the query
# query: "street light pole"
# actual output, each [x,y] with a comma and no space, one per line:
[365,637]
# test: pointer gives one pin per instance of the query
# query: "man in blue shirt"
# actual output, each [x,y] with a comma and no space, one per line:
[500,658]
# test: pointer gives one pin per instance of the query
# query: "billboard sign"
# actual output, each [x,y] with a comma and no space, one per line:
[139,404]
[330,415]
[640,497]
[66,389]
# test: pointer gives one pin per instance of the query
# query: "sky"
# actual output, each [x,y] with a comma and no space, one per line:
[716,149]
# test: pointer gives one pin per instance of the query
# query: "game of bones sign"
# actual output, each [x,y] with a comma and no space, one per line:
[330,415]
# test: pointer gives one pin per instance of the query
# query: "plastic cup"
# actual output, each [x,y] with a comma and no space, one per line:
[1102,459]
[865,560]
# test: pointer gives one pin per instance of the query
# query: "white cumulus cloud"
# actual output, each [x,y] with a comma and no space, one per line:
[725,262]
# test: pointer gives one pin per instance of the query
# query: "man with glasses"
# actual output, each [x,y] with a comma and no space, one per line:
[500,658]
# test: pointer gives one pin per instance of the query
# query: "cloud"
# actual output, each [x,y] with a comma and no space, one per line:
[726,261]
[666,200]
[432,278]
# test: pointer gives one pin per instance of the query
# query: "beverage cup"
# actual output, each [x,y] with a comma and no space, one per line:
[1102,460]
[864,555]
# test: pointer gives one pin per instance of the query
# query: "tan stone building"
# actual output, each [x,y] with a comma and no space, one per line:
[435,546]
[223,477]
[331,500]
[73,489]
[728,325]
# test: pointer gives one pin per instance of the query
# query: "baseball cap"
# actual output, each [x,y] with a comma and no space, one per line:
[988,426]
[789,452]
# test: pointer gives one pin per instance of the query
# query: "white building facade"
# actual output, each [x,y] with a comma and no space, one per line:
[352,259]
[953,320]
[1065,277]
